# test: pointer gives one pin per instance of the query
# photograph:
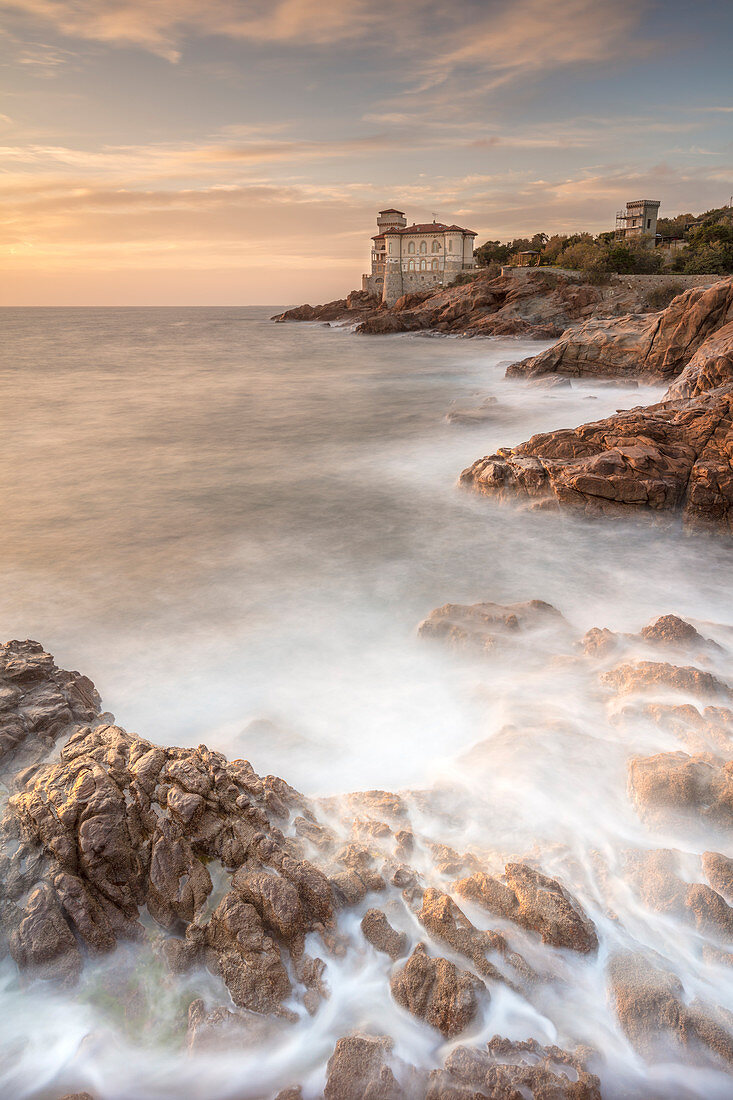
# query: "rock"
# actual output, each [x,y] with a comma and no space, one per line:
[381,935]
[657,345]
[436,991]
[533,901]
[43,942]
[276,900]
[671,631]
[653,675]
[39,703]
[674,456]
[710,367]
[221,1029]
[508,1070]
[648,1001]
[655,874]
[444,921]
[679,788]
[358,1069]
[247,958]
[719,873]
[487,626]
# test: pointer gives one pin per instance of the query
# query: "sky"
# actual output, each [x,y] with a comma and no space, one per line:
[234,152]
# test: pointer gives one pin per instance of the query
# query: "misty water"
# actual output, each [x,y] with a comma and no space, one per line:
[234,528]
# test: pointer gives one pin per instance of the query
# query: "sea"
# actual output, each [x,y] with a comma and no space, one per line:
[234,528]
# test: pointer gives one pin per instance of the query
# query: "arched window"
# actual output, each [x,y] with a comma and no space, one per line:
[436,246]
[423,246]
[423,265]
[411,246]
[435,265]
[411,265]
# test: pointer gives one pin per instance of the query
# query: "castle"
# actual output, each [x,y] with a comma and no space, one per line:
[406,257]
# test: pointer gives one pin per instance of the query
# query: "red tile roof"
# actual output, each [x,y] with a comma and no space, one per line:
[430,227]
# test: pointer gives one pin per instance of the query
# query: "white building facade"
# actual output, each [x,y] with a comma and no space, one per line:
[406,258]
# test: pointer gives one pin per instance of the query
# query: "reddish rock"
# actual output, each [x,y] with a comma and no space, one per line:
[507,1070]
[648,1001]
[670,630]
[653,675]
[677,787]
[358,1068]
[488,626]
[381,935]
[657,345]
[536,902]
[436,991]
[719,873]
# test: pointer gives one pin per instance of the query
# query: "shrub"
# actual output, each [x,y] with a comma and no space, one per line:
[659,297]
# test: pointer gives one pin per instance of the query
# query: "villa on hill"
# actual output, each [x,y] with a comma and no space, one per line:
[406,257]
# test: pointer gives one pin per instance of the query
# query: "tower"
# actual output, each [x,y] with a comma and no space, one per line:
[391,219]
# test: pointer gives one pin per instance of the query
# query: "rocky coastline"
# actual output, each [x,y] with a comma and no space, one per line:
[108,838]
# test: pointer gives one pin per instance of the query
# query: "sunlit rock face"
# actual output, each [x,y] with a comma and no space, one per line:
[439,913]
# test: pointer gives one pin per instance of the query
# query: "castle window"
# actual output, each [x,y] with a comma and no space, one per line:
[435,265]
[450,246]
[423,265]
[423,246]
[411,246]
[411,265]
[436,246]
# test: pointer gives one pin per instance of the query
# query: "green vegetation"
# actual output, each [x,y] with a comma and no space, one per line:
[708,249]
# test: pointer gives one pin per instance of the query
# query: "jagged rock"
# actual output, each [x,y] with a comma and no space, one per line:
[39,703]
[247,958]
[657,345]
[719,873]
[648,1001]
[670,457]
[445,922]
[436,991]
[677,787]
[488,626]
[358,1069]
[276,900]
[651,675]
[655,875]
[670,630]
[533,901]
[508,1070]
[43,943]
[381,935]
[676,455]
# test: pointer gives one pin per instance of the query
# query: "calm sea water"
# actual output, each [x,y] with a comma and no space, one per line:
[220,520]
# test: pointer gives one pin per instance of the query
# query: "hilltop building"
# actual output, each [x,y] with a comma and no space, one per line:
[406,257]
[639,219]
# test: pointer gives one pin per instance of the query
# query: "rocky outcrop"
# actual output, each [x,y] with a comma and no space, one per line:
[507,1070]
[649,1002]
[672,457]
[533,302]
[39,703]
[438,992]
[656,346]
[533,901]
[359,1068]
[679,788]
[660,675]
[382,936]
[489,626]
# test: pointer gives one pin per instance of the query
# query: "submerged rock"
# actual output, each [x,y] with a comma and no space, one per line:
[675,787]
[358,1068]
[489,626]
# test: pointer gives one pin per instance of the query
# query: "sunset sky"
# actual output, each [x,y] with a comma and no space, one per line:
[236,151]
